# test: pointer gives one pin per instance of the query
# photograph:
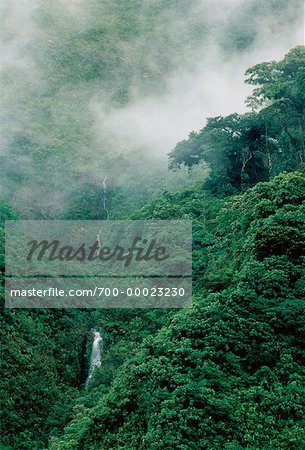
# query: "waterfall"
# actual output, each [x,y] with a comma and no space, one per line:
[105,190]
[95,360]
[104,202]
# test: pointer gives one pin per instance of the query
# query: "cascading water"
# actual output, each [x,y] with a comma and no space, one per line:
[95,360]
[104,201]
[105,191]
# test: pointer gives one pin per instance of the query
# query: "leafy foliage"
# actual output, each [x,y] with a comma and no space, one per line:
[228,372]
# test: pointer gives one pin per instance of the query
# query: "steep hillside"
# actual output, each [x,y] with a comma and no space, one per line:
[228,373]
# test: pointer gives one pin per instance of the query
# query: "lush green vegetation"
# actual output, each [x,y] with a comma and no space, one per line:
[227,373]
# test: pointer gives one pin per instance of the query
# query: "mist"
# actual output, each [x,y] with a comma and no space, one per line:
[214,85]
[84,95]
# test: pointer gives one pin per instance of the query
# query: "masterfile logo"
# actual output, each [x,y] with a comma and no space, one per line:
[140,250]
[90,259]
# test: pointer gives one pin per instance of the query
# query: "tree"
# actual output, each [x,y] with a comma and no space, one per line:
[242,150]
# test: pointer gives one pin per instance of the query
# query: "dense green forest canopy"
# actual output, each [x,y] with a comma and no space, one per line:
[227,373]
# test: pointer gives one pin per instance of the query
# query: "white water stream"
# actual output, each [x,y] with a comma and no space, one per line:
[95,360]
